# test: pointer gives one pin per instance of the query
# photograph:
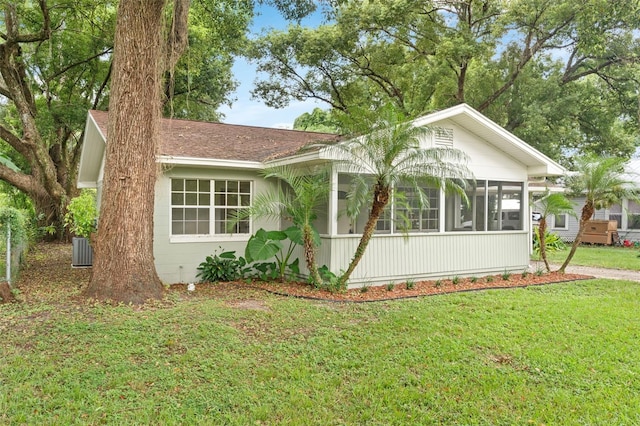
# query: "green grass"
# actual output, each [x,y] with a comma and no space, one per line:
[604,257]
[558,354]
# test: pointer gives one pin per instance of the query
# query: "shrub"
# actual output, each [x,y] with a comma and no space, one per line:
[390,286]
[489,279]
[552,242]
[330,281]
[474,279]
[506,275]
[82,214]
[525,273]
[265,245]
[438,283]
[455,280]
[223,267]
[410,284]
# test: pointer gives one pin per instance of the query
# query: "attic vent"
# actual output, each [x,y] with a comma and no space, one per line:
[443,136]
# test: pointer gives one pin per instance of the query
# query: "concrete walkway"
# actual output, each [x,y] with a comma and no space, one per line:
[616,274]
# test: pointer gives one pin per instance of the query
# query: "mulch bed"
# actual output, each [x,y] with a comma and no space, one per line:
[385,292]
[48,276]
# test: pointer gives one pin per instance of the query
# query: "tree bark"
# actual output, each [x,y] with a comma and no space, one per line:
[124,268]
[587,212]
[542,239]
[381,196]
[310,254]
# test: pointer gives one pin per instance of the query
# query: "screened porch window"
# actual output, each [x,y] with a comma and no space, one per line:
[491,205]
[208,207]
[404,213]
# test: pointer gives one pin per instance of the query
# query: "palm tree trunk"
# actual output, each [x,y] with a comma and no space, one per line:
[310,254]
[380,201]
[587,213]
[542,238]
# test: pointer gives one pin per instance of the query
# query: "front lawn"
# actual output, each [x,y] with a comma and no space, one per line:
[556,354]
[599,256]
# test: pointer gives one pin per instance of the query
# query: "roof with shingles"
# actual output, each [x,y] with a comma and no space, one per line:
[196,139]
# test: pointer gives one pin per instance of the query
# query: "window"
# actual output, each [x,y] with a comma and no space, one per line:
[560,221]
[461,215]
[490,205]
[504,205]
[633,222]
[407,214]
[615,213]
[194,210]
[410,215]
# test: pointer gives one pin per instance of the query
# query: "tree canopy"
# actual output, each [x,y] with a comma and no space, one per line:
[563,75]
[56,63]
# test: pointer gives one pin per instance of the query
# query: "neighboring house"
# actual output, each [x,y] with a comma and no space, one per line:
[626,214]
[209,170]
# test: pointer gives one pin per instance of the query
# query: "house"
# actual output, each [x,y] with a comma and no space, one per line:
[209,170]
[626,214]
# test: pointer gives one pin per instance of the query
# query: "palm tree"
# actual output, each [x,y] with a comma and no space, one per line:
[602,182]
[551,205]
[387,150]
[298,202]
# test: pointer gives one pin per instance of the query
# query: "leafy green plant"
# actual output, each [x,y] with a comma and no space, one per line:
[266,271]
[410,284]
[506,275]
[390,286]
[473,279]
[455,280]
[264,245]
[489,279]
[16,220]
[329,281]
[525,273]
[539,272]
[82,214]
[552,241]
[364,289]
[438,283]
[223,267]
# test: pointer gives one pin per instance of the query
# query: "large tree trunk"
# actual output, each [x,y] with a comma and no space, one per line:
[381,194]
[587,213]
[124,267]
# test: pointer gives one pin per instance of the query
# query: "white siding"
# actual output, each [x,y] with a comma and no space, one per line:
[393,258]
[177,261]
[569,234]
[486,162]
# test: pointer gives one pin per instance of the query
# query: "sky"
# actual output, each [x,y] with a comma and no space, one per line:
[254,112]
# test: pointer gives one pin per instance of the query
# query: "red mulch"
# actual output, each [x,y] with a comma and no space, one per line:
[384,292]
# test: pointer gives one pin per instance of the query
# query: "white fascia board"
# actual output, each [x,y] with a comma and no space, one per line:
[91,149]
[297,159]
[82,185]
[209,162]
[546,170]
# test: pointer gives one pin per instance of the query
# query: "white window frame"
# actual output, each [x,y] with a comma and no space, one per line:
[213,208]
[566,222]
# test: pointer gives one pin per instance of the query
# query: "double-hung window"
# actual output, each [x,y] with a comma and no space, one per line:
[209,207]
